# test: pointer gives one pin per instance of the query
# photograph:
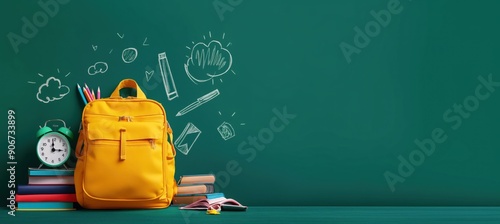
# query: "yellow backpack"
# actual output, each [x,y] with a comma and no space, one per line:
[125,153]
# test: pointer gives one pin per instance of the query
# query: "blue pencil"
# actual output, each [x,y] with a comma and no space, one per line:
[81,93]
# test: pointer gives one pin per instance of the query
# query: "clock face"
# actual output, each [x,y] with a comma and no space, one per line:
[53,149]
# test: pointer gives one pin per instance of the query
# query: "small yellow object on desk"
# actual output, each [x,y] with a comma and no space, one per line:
[212,212]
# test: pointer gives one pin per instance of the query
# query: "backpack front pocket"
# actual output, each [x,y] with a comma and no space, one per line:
[124,160]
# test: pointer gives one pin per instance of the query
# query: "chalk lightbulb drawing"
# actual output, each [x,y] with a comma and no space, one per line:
[208,59]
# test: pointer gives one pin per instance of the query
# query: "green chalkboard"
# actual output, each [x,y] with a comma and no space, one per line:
[319,102]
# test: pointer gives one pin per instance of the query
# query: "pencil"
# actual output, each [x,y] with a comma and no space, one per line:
[98,92]
[93,95]
[88,92]
[81,93]
[89,99]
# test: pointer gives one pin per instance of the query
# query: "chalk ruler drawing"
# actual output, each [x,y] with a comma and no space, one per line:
[200,101]
[226,131]
[166,74]
[208,61]
[51,90]
[98,67]
[129,55]
[187,138]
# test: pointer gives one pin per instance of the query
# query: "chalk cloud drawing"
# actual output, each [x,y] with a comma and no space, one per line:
[129,55]
[51,90]
[226,131]
[200,101]
[187,138]
[208,61]
[98,67]
[168,79]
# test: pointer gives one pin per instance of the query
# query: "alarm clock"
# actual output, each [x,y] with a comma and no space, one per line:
[53,148]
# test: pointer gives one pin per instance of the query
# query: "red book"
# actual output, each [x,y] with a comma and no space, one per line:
[46,197]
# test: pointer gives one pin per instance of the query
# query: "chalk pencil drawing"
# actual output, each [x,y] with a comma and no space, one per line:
[166,74]
[51,90]
[200,101]
[149,74]
[208,60]
[226,131]
[187,138]
[129,55]
[98,68]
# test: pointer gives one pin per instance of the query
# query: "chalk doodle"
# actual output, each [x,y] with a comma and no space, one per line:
[187,138]
[200,101]
[51,90]
[226,131]
[129,55]
[98,68]
[208,60]
[166,74]
[149,74]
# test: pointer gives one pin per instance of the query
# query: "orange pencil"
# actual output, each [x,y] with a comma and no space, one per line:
[89,99]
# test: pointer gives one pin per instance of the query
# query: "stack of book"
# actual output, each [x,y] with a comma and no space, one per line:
[47,190]
[191,188]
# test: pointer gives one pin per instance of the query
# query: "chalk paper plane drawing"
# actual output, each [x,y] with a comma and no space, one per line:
[129,55]
[51,90]
[187,138]
[166,74]
[149,74]
[226,131]
[98,68]
[208,60]
[200,101]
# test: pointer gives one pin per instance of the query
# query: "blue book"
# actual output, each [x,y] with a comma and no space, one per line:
[46,189]
[51,172]
[44,205]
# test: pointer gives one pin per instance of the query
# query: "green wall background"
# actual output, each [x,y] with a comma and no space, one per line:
[355,89]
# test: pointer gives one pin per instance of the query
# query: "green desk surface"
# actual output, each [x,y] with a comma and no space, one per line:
[256,214]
